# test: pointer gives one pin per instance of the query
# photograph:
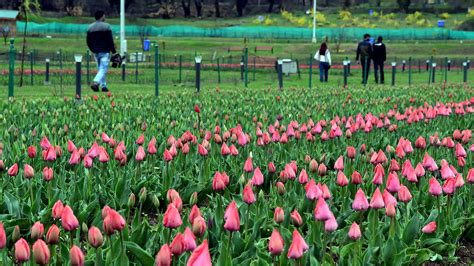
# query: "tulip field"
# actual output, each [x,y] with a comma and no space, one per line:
[356,176]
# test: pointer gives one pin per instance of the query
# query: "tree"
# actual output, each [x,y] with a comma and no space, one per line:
[5,32]
[216,6]
[240,4]
[198,4]
[186,4]
[26,8]
[270,5]
[404,5]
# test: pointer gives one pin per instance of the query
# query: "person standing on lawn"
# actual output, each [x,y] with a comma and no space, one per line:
[101,43]
[324,57]
[364,53]
[380,55]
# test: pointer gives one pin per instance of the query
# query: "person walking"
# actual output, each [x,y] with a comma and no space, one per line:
[324,57]
[380,55]
[364,53]
[101,43]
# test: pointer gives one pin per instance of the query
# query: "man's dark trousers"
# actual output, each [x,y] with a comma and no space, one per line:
[365,69]
[379,66]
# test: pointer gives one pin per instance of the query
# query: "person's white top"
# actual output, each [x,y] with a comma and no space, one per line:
[323,58]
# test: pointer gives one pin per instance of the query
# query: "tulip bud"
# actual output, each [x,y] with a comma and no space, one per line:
[76,256]
[199,226]
[279,215]
[37,230]
[16,234]
[28,171]
[95,237]
[156,201]
[193,199]
[84,228]
[131,201]
[52,236]
[22,251]
[281,188]
[261,195]
[142,195]
[2,165]
[41,252]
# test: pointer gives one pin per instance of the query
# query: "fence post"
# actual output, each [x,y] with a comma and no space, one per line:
[345,64]
[419,66]
[427,64]
[409,71]
[446,69]
[60,55]
[31,68]
[348,66]
[298,68]
[394,69]
[136,67]
[88,73]
[198,60]
[280,74]
[11,68]
[156,71]
[242,69]
[449,65]
[464,64]
[246,62]
[46,74]
[254,67]
[310,70]
[433,72]
[78,60]
[218,71]
[403,65]
[180,68]
[124,70]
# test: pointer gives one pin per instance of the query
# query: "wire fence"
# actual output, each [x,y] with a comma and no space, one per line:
[242,68]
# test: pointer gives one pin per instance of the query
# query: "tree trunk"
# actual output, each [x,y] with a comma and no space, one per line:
[216,6]
[240,4]
[198,5]
[186,4]
[270,6]
[23,49]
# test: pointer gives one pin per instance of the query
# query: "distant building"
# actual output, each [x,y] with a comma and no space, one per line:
[8,19]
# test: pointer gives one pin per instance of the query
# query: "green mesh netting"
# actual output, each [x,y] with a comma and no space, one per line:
[258,32]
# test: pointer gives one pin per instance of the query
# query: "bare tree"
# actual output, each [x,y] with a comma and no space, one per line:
[270,5]
[216,6]
[186,4]
[240,4]
[198,4]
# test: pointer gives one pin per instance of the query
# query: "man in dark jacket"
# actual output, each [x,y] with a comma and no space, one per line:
[380,55]
[101,43]
[364,53]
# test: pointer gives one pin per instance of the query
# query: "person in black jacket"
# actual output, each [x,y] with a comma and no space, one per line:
[101,43]
[380,55]
[364,53]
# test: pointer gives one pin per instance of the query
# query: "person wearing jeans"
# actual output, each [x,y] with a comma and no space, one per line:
[380,55]
[364,53]
[324,57]
[101,43]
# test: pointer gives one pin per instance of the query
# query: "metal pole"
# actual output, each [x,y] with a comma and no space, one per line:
[11,68]
[280,74]
[403,65]
[345,63]
[242,68]
[446,70]
[464,64]
[433,72]
[246,67]
[449,65]
[198,73]
[348,66]
[122,28]
[46,77]
[427,64]
[61,68]
[310,70]
[156,71]
[78,59]
[314,21]
[409,71]
[394,68]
